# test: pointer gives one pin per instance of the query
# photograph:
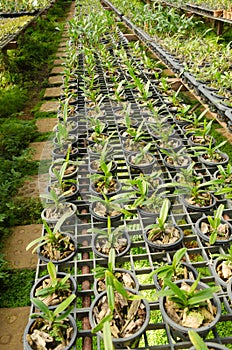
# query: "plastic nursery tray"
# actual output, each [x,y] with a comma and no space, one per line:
[177,67]
[140,259]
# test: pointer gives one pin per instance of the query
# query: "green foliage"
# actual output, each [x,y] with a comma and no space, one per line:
[56,284]
[187,299]
[15,288]
[15,136]
[12,100]
[24,211]
[168,271]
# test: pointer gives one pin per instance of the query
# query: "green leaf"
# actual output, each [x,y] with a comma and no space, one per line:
[108,344]
[164,210]
[178,256]
[41,306]
[197,341]
[60,308]
[51,270]
[178,293]
[203,295]
[100,325]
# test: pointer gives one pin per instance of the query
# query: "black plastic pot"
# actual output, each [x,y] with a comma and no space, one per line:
[102,218]
[223,283]
[130,341]
[129,146]
[68,176]
[229,291]
[94,169]
[64,260]
[71,139]
[72,127]
[177,167]
[143,167]
[72,323]
[206,238]
[97,237]
[93,189]
[193,143]
[71,207]
[211,164]
[59,275]
[68,197]
[154,246]
[179,331]
[192,207]
[102,137]
[58,152]
[189,268]
[94,150]
[173,143]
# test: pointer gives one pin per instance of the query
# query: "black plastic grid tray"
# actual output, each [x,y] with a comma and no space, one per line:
[140,259]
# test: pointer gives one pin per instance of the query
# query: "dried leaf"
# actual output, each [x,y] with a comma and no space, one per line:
[204,228]
[192,320]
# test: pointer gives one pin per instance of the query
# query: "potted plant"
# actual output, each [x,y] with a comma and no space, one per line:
[175,270]
[201,135]
[102,207]
[98,134]
[105,183]
[176,160]
[162,235]
[63,184]
[54,245]
[103,274]
[149,194]
[214,229]
[127,319]
[56,207]
[211,156]
[189,305]
[51,328]
[222,267]
[95,164]
[142,161]
[195,196]
[53,288]
[124,119]
[110,237]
